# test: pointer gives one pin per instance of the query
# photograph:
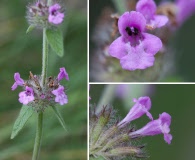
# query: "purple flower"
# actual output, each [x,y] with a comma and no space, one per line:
[55,16]
[141,107]
[26,96]
[186,8]
[63,74]
[18,81]
[148,9]
[134,48]
[61,97]
[159,126]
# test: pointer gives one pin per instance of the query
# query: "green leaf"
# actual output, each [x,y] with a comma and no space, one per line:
[55,39]
[25,113]
[59,116]
[30,28]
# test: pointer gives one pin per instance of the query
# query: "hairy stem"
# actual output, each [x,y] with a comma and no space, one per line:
[44,57]
[37,144]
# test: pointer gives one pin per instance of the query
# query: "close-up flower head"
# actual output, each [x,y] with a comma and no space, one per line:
[138,41]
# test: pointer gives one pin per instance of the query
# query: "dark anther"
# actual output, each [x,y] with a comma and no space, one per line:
[136,31]
[128,30]
[51,84]
[132,31]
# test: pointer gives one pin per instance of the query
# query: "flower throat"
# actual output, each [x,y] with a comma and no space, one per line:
[132,31]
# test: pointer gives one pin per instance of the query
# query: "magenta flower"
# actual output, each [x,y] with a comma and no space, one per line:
[26,96]
[63,74]
[55,16]
[159,126]
[148,9]
[186,8]
[18,81]
[61,97]
[134,48]
[141,107]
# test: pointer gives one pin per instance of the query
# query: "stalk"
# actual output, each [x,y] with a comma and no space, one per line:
[38,137]
[37,144]
[44,58]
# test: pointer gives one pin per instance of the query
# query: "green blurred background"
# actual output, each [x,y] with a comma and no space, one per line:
[176,99]
[21,53]
[182,43]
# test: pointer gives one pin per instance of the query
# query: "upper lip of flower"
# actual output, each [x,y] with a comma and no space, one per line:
[131,23]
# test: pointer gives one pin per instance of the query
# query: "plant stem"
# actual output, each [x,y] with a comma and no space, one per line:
[38,137]
[44,57]
[107,96]
[37,144]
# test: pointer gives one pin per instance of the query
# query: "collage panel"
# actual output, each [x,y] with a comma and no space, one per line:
[43,80]
[141,121]
[79,80]
[141,41]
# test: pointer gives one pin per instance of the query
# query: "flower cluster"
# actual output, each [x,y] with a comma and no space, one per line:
[135,48]
[40,95]
[44,14]
[159,126]
[111,139]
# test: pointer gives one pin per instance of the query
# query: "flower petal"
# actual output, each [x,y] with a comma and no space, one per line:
[56,19]
[151,43]
[131,19]
[61,96]
[159,21]
[168,138]
[141,107]
[185,9]
[165,118]
[14,86]
[63,74]
[158,126]
[137,58]
[118,48]
[147,8]
[26,96]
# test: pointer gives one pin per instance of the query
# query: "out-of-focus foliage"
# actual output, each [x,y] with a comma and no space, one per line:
[177,100]
[21,52]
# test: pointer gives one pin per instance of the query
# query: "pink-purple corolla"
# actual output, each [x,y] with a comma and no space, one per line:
[159,126]
[39,94]
[142,106]
[148,9]
[61,97]
[63,74]
[55,16]
[185,9]
[134,48]
[18,81]
[26,96]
